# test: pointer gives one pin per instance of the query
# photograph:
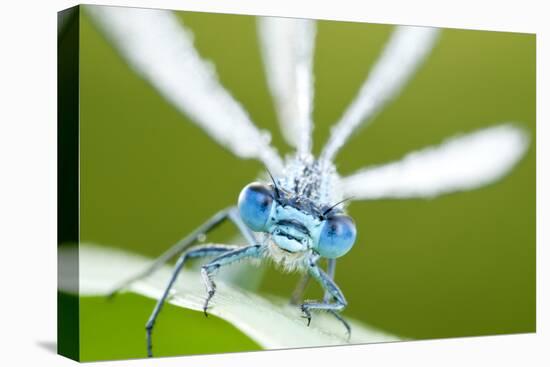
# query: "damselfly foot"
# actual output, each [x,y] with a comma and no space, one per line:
[306,314]
[207,301]
[344,322]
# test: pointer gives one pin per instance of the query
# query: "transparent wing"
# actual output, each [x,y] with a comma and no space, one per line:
[458,164]
[401,57]
[287,48]
[160,49]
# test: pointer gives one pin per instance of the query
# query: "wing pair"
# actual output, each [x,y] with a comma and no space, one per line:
[160,49]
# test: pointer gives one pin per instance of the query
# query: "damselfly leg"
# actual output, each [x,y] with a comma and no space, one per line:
[334,303]
[207,270]
[201,251]
[226,254]
[300,289]
[331,272]
[220,217]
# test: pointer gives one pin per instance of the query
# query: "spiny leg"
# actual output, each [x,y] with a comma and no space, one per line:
[253,251]
[331,272]
[335,294]
[343,321]
[300,289]
[304,281]
[200,251]
[230,213]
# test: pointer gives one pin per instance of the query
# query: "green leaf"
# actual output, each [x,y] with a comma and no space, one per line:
[270,321]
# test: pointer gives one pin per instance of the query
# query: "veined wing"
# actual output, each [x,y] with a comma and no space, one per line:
[401,57]
[458,164]
[160,49]
[287,48]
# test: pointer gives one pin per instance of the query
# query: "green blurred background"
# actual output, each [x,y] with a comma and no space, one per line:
[459,265]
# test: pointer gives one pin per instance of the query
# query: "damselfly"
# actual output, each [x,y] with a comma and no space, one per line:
[296,216]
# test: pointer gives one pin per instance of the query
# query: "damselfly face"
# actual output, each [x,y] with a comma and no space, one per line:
[295,223]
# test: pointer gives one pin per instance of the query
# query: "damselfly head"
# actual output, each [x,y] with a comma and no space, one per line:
[295,223]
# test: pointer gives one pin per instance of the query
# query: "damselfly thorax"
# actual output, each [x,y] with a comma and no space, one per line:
[312,182]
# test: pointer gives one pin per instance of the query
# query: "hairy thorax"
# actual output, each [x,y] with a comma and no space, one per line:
[308,178]
[286,261]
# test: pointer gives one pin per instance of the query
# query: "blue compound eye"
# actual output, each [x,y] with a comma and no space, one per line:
[255,202]
[337,236]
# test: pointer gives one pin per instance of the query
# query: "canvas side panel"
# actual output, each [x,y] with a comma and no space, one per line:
[68,341]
